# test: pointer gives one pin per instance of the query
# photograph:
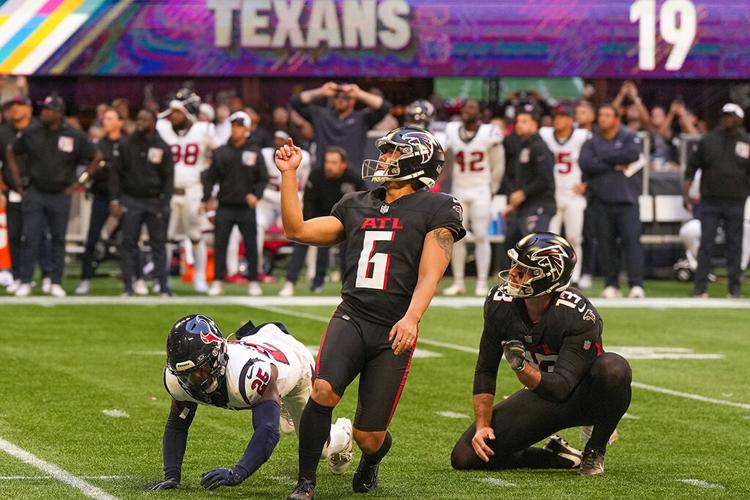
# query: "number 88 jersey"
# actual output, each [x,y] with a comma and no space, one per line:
[191,151]
[383,248]
[567,171]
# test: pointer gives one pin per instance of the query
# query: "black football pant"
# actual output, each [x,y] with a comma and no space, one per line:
[525,418]
[39,211]
[713,213]
[226,218]
[297,261]
[153,212]
[99,214]
[15,241]
[619,226]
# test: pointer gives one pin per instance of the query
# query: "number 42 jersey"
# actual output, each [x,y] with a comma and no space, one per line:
[383,248]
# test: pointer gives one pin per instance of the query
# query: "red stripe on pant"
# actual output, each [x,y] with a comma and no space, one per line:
[403,382]
[320,349]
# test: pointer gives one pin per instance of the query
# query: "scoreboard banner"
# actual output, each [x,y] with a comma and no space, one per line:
[377,38]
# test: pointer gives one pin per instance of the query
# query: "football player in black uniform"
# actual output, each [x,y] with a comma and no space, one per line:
[551,337]
[399,242]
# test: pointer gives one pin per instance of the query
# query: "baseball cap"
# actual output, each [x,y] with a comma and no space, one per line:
[240,117]
[563,108]
[207,110]
[733,109]
[54,103]
[280,134]
[19,99]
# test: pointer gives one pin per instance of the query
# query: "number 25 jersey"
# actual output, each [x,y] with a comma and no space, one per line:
[383,248]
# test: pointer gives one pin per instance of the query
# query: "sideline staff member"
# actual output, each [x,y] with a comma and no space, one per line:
[239,169]
[141,184]
[723,156]
[53,151]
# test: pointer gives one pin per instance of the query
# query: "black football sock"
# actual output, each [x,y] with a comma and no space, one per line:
[376,457]
[314,429]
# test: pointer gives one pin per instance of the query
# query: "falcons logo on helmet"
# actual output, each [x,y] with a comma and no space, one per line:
[423,142]
[551,258]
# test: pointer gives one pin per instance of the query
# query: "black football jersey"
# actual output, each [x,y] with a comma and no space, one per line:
[564,343]
[384,245]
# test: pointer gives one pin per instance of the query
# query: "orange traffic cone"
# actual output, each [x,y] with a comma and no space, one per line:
[5,263]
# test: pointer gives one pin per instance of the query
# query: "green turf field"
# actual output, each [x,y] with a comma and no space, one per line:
[64,365]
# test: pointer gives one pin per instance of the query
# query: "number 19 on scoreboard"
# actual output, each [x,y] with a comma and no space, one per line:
[677,27]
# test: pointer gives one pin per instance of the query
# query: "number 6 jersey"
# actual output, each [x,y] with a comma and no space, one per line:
[383,248]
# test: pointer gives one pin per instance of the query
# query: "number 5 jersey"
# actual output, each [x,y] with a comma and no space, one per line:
[383,247]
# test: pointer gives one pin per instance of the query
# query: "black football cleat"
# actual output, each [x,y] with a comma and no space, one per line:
[569,455]
[366,477]
[593,463]
[305,490]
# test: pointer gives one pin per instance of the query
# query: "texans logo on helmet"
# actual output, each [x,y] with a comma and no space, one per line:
[200,326]
[421,141]
[552,258]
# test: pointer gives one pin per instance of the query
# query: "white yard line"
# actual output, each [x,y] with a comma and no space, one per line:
[454,302]
[495,481]
[53,470]
[701,484]
[473,350]
[45,478]
[687,395]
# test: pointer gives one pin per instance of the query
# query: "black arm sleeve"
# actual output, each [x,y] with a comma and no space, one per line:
[114,175]
[261,176]
[175,437]
[209,177]
[373,116]
[168,173]
[266,436]
[544,164]
[696,161]
[577,354]
[490,354]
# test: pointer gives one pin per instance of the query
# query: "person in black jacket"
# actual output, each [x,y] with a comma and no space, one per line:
[723,156]
[19,111]
[607,160]
[53,151]
[240,171]
[141,183]
[109,146]
[533,198]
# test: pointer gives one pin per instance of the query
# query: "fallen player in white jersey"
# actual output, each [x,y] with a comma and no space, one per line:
[266,370]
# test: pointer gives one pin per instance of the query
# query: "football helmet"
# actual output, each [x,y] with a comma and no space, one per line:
[197,355]
[541,263]
[419,113]
[185,100]
[421,158]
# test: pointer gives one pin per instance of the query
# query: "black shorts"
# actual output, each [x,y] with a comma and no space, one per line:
[352,347]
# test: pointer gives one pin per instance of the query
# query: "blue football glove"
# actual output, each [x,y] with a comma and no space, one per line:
[515,354]
[167,484]
[222,477]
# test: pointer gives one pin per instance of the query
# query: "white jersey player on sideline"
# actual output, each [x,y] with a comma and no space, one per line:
[566,142]
[191,142]
[265,363]
[269,207]
[477,162]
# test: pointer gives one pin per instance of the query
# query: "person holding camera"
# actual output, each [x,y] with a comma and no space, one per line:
[341,124]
